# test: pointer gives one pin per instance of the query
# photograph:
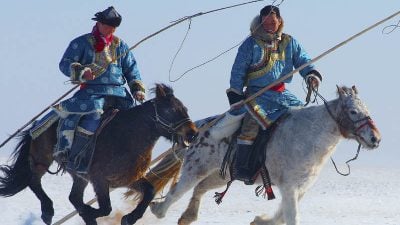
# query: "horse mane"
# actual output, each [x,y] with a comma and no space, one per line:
[162,90]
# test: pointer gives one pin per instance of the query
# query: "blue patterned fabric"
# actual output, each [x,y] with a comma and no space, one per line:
[256,67]
[85,107]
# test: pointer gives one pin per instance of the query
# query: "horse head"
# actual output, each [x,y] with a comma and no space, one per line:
[171,117]
[354,119]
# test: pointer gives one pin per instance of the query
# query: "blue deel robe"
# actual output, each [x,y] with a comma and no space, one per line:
[256,67]
[87,103]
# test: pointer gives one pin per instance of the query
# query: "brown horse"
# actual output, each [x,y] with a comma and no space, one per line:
[121,157]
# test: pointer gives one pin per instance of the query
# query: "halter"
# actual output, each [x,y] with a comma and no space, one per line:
[167,125]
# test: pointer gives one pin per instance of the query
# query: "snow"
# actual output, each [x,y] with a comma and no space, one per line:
[369,195]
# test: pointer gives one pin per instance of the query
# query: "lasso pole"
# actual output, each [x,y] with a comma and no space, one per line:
[131,48]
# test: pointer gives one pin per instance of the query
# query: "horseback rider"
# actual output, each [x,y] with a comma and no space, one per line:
[264,57]
[90,61]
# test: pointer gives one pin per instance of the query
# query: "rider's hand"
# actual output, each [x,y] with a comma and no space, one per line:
[237,105]
[313,81]
[88,75]
[139,96]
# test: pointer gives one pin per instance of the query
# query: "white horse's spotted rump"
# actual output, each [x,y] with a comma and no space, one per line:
[296,153]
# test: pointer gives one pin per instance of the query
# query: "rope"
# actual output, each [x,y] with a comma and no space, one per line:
[393,27]
[347,162]
[214,57]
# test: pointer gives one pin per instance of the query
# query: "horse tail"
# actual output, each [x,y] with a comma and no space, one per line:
[16,177]
[160,175]
[160,178]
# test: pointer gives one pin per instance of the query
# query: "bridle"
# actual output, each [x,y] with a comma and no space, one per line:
[366,121]
[165,124]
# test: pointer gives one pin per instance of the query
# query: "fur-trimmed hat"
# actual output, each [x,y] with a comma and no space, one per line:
[269,9]
[110,16]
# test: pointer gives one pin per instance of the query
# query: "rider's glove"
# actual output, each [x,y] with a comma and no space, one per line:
[313,79]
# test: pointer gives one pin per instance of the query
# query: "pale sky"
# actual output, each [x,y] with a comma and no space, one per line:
[36,33]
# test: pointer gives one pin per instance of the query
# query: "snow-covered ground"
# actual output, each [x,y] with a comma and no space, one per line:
[369,196]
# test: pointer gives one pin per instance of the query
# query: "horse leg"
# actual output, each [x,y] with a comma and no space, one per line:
[186,182]
[76,198]
[276,220]
[28,170]
[191,213]
[148,195]
[287,212]
[88,213]
[102,190]
[45,202]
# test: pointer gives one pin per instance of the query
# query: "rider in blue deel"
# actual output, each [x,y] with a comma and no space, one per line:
[264,57]
[90,61]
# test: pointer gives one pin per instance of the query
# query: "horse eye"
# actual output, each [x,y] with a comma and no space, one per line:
[353,112]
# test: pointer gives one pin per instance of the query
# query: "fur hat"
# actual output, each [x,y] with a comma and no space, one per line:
[110,16]
[269,9]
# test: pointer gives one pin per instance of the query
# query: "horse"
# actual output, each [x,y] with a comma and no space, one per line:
[122,155]
[296,152]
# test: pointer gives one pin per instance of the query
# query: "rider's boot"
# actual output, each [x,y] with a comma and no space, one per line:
[76,159]
[241,170]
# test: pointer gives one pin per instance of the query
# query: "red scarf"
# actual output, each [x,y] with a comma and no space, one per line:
[101,41]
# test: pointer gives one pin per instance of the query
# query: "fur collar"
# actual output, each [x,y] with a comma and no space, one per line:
[258,32]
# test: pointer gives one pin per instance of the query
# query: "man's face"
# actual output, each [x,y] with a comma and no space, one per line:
[271,23]
[105,30]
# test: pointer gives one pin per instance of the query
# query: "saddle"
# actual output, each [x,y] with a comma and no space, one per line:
[256,162]
[84,158]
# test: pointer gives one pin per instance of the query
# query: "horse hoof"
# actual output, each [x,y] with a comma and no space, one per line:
[264,219]
[89,221]
[155,209]
[47,219]
[124,221]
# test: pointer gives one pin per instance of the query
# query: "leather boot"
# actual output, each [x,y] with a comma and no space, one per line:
[241,171]
[77,160]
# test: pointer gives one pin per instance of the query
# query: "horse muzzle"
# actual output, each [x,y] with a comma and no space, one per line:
[372,140]
[188,134]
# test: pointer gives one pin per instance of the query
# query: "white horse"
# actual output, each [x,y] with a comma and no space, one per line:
[296,153]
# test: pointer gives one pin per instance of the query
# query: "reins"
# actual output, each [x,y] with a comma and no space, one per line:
[347,162]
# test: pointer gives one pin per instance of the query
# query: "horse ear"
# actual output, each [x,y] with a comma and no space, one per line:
[340,91]
[354,89]
[163,90]
[160,93]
